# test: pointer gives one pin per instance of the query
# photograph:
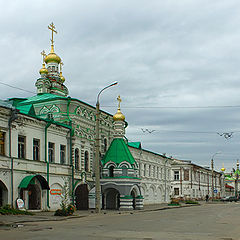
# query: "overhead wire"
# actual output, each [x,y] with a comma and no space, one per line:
[6,84]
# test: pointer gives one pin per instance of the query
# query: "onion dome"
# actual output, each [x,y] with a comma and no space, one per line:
[62,77]
[119,116]
[52,57]
[223,168]
[43,70]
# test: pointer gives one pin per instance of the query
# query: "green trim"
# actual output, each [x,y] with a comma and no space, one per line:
[127,197]
[140,197]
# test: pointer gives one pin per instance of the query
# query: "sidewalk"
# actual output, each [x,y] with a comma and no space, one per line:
[49,216]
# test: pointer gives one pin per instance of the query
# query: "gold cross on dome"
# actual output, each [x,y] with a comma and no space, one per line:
[52,28]
[43,54]
[119,101]
[61,64]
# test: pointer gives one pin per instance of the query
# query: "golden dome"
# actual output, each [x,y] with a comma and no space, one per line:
[118,116]
[52,57]
[43,70]
[223,169]
[62,77]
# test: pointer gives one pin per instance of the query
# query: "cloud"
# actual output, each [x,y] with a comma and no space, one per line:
[162,53]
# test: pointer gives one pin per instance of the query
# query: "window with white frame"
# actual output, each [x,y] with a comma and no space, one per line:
[124,170]
[62,154]
[2,143]
[21,146]
[105,144]
[51,152]
[36,149]
[176,191]
[76,158]
[86,161]
[176,175]
[144,170]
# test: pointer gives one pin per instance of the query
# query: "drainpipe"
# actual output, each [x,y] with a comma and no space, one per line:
[71,162]
[71,159]
[12,118]
[47,160]
[165,181]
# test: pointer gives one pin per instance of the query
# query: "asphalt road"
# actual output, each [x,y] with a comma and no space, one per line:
[209,221]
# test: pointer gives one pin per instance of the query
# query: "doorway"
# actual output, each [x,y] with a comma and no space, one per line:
[81,197]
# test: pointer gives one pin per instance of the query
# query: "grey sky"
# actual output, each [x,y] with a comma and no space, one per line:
[163,53]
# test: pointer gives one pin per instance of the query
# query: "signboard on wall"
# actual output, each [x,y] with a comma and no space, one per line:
[20,204]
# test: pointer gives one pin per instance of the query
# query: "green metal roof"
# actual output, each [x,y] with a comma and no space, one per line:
[135,145]
[30,180]
[118,152]
[41,98]
[27,109]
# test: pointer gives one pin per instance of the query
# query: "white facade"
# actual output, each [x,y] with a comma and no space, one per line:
[191,181]
[15,166]
[155,174]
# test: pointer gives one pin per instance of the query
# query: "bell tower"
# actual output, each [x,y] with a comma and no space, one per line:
[51,80]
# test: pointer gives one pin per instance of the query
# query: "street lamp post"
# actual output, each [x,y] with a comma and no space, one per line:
[236,181]
[97,140]
[212,167]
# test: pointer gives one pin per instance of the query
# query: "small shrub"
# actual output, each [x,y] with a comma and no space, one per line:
[61,212]
[191,202]
[65,211]
[8,210]
[70,209]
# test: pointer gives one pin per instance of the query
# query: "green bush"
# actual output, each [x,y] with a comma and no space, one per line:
[8,210]
[174,204]
[65,211]
[191,202]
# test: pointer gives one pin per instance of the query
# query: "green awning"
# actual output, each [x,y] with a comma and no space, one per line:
[30,180]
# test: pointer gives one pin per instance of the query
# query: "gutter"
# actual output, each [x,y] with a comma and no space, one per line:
[12,118]
[46,159]
[70,149]
[165,180]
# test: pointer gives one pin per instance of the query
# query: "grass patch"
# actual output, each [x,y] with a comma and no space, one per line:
[191,202]
[174,204]
[8,210]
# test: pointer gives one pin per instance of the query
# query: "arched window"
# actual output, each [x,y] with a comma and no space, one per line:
[105,144]
[111,171]
[124,170]
[86,161]
[76,158]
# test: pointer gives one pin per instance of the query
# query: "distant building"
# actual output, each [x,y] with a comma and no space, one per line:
[191,181]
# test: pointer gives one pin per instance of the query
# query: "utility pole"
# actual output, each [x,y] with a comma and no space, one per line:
[97,142]
[212,179]
[236,183]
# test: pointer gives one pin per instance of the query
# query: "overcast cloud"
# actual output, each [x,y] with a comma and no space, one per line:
[163,53]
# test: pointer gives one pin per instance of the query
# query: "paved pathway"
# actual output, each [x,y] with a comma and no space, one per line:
[49,216]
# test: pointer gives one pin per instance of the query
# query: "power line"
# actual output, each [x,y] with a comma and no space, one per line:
[226,135]
[144,107]
[193,107]
[16,87]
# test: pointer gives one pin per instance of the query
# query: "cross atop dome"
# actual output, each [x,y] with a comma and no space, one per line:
[51,80]
[52,28]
